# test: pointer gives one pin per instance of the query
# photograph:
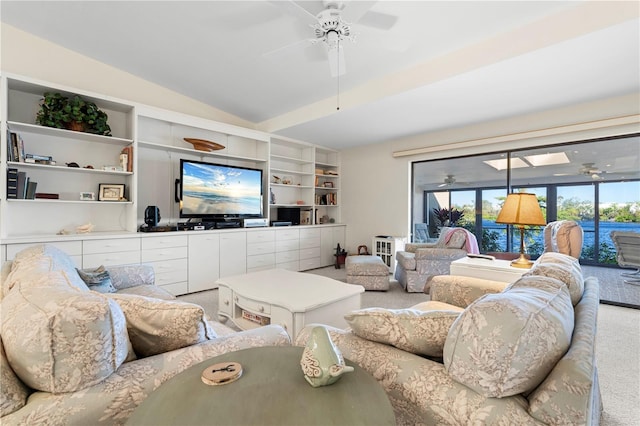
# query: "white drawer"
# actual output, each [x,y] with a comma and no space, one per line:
[111,246]
[72,248]
[309,233]
[306,264]
[286,245]
[309,243]
[261,248]
[287,234]
[106,259]
[164,241]
[177,289]
[171,277]
[260,236]
[167,253]
[164,267]
[310,253]
[287,256]
[261,260]
[253,305]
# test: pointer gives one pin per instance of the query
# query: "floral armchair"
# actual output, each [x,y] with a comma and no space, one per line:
[419,262]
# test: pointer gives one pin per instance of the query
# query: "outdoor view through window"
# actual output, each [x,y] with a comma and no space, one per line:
[595,183]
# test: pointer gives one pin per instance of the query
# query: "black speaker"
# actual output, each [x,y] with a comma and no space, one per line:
[152,216]
[289,214]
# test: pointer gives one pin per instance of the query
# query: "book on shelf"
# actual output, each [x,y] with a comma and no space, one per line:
[31,190]
[22,185]
[12,183]
[15,152]
[305,217]
[48,196]
[126,158]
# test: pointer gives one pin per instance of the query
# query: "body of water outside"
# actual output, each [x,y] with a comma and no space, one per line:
[535,239]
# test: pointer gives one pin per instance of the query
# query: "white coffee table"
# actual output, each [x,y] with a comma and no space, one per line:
[497,270]
[291,299]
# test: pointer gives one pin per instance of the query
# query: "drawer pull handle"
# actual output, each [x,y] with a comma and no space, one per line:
[261,308]
[226,302]
[236,299]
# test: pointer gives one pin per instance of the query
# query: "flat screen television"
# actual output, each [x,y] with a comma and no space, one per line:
[213,192]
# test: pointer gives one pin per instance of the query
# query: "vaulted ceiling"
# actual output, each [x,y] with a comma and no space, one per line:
[415,67]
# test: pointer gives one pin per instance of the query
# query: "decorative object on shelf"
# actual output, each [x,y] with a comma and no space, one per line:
[111,192]
[272,196]
[287,180]
[73,164]
[276,179]
[328,184]
[85,229]
[87,196]
[203,144]
[322,362]
[72,113]
[88,166]
[521,209]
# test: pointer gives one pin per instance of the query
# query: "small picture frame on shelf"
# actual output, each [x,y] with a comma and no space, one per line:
[111,192]
[328,184]
[87,196]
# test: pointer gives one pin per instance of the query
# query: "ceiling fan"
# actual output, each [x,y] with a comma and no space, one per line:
[332,26]
[590,169]
[450,180]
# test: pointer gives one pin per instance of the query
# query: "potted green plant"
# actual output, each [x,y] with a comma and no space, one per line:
[72,113]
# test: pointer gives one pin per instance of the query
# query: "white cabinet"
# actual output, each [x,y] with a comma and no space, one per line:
[386,248]
[261,249]
[310,248]
[287,248]
[114,251]
[327,186]
[233,253]
[204,261]
[72,248]
[168,254]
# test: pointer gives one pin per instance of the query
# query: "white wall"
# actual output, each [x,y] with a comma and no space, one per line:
[376,193]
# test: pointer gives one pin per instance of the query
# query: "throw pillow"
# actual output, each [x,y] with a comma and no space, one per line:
[157,326]
[97,279]
[506,343]
[571,276]
[14,393]
[58,339]
[412,330]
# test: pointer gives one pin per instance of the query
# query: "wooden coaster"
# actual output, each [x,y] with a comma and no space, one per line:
[222,373]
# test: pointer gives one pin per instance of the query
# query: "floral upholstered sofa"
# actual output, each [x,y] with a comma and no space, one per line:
[76,352]
[480,353]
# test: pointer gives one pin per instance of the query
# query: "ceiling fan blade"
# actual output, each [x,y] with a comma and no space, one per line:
[381,21]
[289,49]
[293,9]
[354,10]
[337,64]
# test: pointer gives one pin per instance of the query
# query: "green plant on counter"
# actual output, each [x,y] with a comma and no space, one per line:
[72,113]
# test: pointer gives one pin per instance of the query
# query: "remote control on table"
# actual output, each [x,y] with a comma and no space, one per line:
[481,256]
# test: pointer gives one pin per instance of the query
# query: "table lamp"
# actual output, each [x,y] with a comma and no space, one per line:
[521,209]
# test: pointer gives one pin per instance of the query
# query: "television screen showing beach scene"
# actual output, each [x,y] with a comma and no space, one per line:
[218,190]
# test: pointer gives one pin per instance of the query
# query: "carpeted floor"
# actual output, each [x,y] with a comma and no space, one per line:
[613,289]
[617,353]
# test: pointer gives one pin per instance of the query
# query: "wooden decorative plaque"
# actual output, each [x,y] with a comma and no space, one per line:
[222,373]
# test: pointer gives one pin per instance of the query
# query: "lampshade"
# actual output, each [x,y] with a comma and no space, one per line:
[521,209]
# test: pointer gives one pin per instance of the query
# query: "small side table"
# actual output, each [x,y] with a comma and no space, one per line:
[271,391]
[497,270]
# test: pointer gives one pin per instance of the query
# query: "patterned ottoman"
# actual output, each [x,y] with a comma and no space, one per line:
[368,271]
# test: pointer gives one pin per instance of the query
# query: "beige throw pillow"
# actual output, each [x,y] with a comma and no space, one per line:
[157,326]
[506,343]
[59,339]
[413,330]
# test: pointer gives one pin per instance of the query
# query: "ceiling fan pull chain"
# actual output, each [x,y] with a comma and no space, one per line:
[338,97]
